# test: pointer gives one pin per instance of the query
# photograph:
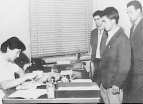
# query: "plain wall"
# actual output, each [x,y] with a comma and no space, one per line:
[14,18]
[14,21]
[121,6]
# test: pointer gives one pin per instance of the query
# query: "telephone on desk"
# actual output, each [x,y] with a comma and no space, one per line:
[36,64]
[77,66]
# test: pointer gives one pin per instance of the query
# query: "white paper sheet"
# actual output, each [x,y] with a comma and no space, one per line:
[94,87]
[81,80]
[29,94]
[61,62]
[28,85]
[66,72]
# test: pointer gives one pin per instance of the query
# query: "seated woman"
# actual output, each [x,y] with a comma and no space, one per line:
[10,50]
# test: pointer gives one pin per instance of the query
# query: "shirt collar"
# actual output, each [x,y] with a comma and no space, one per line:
[111,33]
[138,20]
[100,30]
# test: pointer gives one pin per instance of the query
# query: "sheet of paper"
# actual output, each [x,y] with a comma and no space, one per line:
[28,85]
[81,80]
[66,72]
[61,62]
[94,87]
[29,94]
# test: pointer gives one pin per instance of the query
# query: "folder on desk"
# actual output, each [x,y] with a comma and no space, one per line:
[77,90]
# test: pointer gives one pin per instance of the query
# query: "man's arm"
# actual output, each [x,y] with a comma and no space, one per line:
[124,61]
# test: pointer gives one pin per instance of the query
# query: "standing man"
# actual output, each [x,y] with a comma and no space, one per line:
[134,10]
[97,41]
[115,62]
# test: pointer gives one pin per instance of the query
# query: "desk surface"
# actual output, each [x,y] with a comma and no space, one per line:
[7,100]
[44,99]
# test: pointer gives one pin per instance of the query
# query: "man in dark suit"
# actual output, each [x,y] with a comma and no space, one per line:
[134,10]
[97,41]
[115,62]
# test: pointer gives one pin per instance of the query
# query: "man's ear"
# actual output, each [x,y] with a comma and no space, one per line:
[113,21]
[139,10]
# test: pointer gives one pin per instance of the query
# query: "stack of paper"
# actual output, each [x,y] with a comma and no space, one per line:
[29,94]
[62,62]
[81,80]
[28,85]
[94,87]
[66,72]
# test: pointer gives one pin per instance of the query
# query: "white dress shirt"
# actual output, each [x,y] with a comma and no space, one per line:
[7,70]
[111,33]
[100,33]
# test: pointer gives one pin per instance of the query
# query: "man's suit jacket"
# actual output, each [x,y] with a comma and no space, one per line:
[136,40]
[115,62]
[94,42]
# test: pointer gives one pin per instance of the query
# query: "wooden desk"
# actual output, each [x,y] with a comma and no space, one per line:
[7,100]
[44,99]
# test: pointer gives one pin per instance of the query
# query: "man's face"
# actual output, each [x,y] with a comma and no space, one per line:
[98,21]
[133,13]
[108,24]
[13,54]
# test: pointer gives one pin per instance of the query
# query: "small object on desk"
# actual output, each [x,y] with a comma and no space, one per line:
[50,90]
[65,79]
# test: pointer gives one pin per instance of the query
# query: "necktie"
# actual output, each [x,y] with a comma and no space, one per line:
[107,34]
[100,31]
[134,27]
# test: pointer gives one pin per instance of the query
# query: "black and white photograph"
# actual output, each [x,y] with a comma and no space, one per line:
[71,51]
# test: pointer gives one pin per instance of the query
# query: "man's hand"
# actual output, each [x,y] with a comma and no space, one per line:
[115,90]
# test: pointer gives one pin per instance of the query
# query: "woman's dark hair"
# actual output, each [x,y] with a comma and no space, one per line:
[12,43]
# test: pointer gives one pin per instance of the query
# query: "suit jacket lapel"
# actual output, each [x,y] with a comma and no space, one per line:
[137,29]
[131,32]
[96,37]
[112,40]
[103,43]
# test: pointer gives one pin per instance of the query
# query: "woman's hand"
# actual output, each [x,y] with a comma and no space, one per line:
[29,76]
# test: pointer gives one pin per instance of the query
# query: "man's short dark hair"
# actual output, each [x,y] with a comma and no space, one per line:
[136,4]
[98,13]
[12,43]
[111,13]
